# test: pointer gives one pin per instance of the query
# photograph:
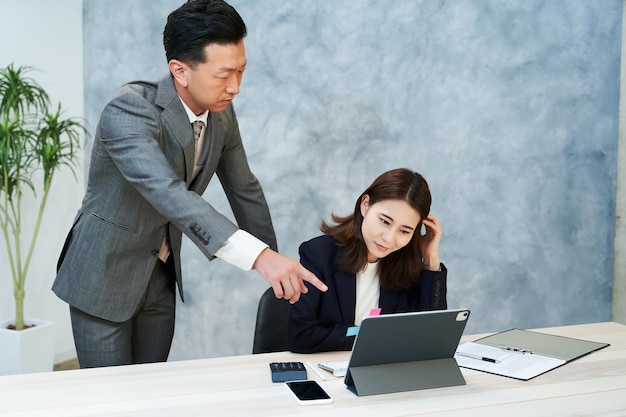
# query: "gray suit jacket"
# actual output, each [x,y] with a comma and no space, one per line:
[140,185]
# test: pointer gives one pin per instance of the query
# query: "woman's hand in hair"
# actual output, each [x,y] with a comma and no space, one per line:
[429,243]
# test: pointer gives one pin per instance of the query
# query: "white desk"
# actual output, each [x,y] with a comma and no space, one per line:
[594,385]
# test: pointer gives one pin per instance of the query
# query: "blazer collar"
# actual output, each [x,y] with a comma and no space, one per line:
[388,300]
[346,290]
[176,118]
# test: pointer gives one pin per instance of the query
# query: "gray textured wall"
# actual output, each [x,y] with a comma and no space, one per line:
[509,109]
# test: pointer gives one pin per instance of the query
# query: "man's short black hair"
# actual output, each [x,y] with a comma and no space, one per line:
[199,23]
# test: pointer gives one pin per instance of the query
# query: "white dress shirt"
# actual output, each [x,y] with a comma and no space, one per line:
[367,292]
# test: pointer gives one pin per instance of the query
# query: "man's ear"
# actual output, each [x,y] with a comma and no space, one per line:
[179,71]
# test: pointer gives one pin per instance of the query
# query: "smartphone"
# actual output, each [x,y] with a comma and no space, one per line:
[308,392]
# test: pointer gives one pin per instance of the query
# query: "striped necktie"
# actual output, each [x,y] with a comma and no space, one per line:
[197,129]
[164,251]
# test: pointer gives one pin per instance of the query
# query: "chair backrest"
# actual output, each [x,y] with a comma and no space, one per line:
[270,332]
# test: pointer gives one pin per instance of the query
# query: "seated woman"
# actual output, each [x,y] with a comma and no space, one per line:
[376,257]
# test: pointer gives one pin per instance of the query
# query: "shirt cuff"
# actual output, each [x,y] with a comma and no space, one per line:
[241,250]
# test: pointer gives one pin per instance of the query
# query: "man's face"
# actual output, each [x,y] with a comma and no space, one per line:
[213,84]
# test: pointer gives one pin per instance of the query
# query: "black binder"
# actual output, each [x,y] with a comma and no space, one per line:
[406,351]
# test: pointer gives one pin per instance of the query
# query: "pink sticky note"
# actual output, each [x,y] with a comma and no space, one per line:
[375,312]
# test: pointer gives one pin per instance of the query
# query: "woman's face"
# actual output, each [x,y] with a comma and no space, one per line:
[387,226]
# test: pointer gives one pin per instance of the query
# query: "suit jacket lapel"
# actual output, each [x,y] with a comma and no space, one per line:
[176,119]
[346,295]
[215,138]
[388,300]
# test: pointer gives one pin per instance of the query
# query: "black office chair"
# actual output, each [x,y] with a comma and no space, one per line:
[270,332]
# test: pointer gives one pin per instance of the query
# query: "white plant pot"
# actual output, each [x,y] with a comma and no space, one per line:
[29,350]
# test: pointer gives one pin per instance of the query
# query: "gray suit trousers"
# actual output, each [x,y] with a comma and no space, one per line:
[145,337]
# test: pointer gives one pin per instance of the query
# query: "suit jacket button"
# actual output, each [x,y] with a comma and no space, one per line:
[155,252]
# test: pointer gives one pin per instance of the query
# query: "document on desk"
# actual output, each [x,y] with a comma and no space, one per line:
[504,362]
[522,354]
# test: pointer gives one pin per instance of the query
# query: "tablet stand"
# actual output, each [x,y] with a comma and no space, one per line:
[406,376]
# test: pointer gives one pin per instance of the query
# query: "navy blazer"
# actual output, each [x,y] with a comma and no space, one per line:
[319,321]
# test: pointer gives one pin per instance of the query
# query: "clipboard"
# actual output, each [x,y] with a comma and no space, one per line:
[522,354]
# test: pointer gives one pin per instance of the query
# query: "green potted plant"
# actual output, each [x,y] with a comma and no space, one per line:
[35,141]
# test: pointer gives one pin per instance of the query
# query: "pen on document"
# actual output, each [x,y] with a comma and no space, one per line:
[318,373]
[480,358]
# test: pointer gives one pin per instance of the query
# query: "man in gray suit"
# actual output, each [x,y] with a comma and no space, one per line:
[121,260]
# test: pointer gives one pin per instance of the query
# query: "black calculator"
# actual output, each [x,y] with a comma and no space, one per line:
[287,371]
